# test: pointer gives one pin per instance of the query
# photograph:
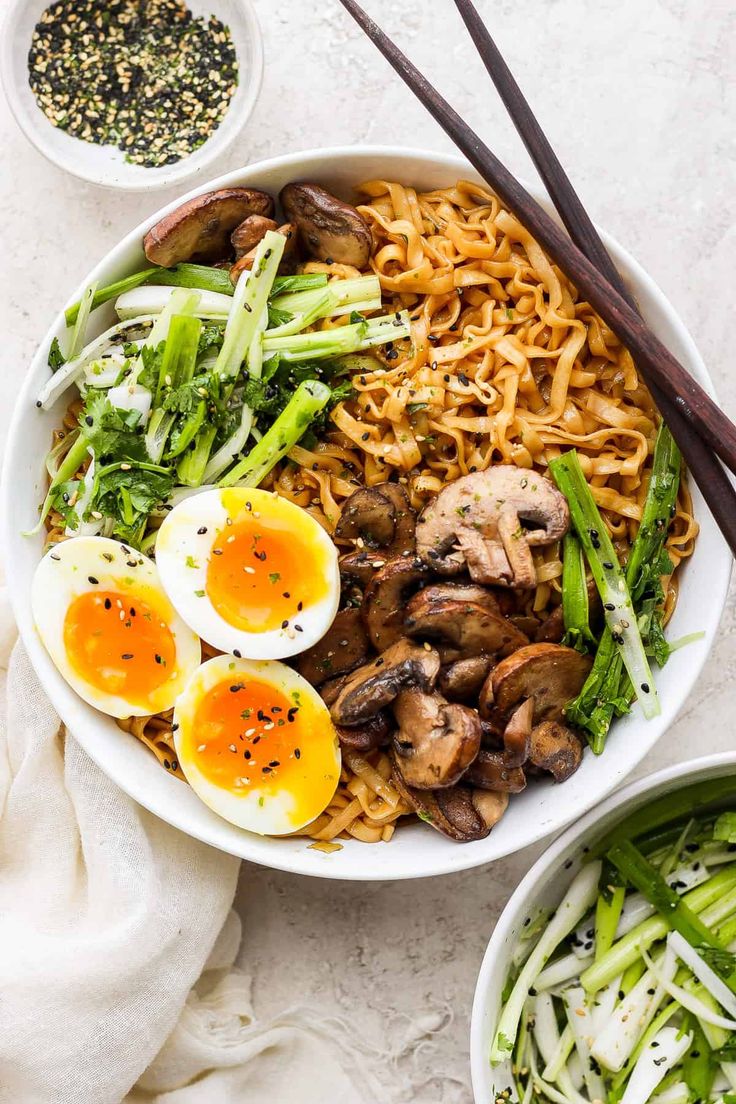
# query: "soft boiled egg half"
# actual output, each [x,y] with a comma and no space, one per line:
[257,744]
[249,571]
[110,629]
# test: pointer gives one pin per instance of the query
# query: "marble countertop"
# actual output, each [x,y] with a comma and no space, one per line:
[640,102]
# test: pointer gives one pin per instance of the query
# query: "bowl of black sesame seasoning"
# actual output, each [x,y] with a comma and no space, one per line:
[132,94]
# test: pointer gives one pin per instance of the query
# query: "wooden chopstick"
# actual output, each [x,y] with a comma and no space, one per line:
[704,466]
[657,364]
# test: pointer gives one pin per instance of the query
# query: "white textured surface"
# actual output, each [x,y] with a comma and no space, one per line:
[639,100]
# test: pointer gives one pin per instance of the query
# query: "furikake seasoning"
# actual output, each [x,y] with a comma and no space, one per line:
[143,75]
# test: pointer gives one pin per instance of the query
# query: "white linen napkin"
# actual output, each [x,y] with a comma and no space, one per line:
[108,918]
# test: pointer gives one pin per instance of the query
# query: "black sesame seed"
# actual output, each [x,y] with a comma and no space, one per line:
[202,531]
[127,655]
[236,653]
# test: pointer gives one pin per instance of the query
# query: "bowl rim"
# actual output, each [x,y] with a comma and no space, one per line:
[181,170]
[518,904]
[442,861]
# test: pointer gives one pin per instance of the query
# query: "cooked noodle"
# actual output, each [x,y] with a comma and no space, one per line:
[506,365]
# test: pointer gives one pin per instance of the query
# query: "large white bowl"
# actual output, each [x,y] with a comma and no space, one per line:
[416,851]
[545,886]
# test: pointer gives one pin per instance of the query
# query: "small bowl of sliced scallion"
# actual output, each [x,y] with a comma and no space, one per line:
[611,975]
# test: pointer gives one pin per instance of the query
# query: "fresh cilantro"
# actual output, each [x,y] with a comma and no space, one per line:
[129,495]
[191,562]
[56,358]
[210,340]
[111,433]
[356,316]
[274,576]
[277,317]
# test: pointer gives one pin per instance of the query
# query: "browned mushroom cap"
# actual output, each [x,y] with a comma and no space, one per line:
[381,517]
[460,591]
[555,748]
[199,230]
[330,230]
[466,629]
[437,740]
[490,771]
[376,684]
[551,674]
[384,604]
[357,567]
[459,812]
[344,647]
[330,691]
[249,233]
[368,736]
[463,679]
[488,522]
[288,257]
[517,734]
[367,515]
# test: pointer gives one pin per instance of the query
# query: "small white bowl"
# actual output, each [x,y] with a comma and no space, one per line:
[415,851]
[545,886]
[106,165]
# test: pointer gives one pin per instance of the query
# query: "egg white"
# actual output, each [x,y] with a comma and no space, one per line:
[264,807]
[65,573]
[183,550]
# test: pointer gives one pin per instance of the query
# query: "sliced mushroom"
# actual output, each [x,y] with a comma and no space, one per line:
[517,734]
[550,674]
[372,734]
[552,629]
[367,515]
[464,592]
[249,233]
[357,568]
[490,771]
[330,230]
[381,517]
[555,748]
[384,604]
[463,679]
[344,647]
[437,740]
[286,264]
[483,522]
[465,629]
[330,691]
[199,230]
[461,813]
[378,683]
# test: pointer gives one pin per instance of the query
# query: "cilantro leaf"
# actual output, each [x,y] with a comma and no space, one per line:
[56,358]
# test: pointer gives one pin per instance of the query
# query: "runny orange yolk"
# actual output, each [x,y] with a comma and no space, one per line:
[247,733]
[261,574]
[119,644]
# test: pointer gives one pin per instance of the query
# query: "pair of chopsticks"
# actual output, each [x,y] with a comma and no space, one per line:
[699,426]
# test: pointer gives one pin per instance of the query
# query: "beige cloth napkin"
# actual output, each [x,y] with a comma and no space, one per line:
[117,946]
